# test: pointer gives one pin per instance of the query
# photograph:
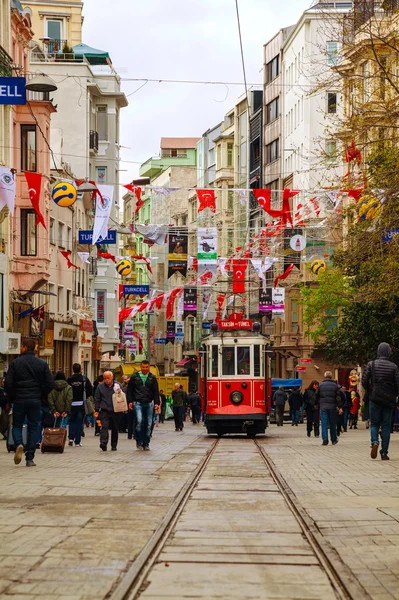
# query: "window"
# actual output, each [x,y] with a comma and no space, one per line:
[332,53]
[60,297]
[331,103]
[272,152]
[61,234]
[230,155]
[102,122]
[28,233]
[294,316]
[273,68]
[100,306]
[331,150]
[69,238]
[383,78]
[228,361]
[230,200]
[273,185]
[257,372]
[54,30]
[69,300]
[101,174]
[214,370]
[243,360]
[272,110]
[52,230]
[28,148]
[331,319]
[52,297]
[219,156]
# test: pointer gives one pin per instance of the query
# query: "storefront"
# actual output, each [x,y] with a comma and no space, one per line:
[46,351]
[86,330]
[66,339]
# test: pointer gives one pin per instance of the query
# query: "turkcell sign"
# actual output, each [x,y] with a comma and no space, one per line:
[86,237]
[160,341]
[206,324]
[139,290]
[12,90]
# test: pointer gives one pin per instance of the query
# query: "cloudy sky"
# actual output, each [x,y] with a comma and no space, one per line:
[181,40]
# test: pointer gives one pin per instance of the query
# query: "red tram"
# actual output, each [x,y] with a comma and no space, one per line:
[234,379]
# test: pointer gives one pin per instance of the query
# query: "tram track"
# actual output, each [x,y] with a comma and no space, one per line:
[135,581]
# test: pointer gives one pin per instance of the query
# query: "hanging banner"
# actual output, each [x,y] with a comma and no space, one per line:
[207,243]
[293,256]
[7,189]
[177,255]
[265,301]
[170,331]
[179,332]
[104,202]
[190,302]
[278,299]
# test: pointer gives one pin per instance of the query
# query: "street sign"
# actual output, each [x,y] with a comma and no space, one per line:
[306,361]
[243,324]
[139,290]
[86,237]
[12,90]
[160,341]
[300,369]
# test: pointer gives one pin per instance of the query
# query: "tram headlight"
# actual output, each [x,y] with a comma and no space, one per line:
[236,397]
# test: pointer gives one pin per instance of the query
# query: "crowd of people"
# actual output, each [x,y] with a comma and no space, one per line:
[30,396]
[337,408]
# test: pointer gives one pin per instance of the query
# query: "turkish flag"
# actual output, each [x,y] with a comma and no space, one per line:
[239,270]
[220,300]
[159,300]
[137,191]
[171,302]
[207,199]
[124,314]
[66,254]
[34,181]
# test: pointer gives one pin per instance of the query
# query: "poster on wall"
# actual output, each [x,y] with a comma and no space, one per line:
[177,255]
[190,302]
[207,243]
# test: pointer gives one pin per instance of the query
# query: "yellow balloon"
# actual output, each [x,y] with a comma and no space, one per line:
[318,266]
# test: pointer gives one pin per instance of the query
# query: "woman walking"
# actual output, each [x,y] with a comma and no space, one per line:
[312,409]
[60,399]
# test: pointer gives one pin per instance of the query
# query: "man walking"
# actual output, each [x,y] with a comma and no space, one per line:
[381,382]
[330,402]
[279,399]
[178,398]
[81,388]
[105,411]
[28,379]
[194,400]
[295,401]
[143,392]
[163,406]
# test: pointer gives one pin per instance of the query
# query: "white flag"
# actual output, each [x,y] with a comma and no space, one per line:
[257,265]
[103,211]
[84,256]
[222,262]
[7,189]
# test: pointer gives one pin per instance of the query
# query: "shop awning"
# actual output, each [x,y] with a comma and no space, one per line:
[184,362]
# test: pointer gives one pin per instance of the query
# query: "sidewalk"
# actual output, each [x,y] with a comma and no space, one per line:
[71,526]
[353,499]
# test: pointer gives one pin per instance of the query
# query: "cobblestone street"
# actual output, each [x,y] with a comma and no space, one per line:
[71,527]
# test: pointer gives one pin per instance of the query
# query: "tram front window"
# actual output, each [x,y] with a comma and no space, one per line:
[214,361]
[228,361]
[243,360]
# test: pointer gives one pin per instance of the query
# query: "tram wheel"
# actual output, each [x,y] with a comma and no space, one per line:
[251,435]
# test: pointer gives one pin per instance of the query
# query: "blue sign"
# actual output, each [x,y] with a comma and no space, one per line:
[390,234]
[160,341]
[86,237]
[12,90]
[139,290]
[206,324]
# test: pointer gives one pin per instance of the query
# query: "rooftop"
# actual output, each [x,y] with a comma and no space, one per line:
[179,142]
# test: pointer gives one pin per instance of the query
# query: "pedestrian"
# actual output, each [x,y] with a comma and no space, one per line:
[354,411]
[60,399]
[295,401]
[97,426]
[43,420]
[178,399]
[5,411]
[105,411]
[279,399]
[81,387]
[163,406]
[28,379]
[312,409]
[186,403]
[194,400]
[381,382]
[329,398]
[340,414]
[346,406]
[142,393]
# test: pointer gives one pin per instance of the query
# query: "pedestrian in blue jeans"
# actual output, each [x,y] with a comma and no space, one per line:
[381,382]
[142,394]
[329,398]
[295,401]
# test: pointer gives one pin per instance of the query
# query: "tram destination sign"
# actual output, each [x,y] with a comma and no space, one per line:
[236,324]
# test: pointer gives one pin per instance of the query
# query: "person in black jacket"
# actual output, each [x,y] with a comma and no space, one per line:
[329,399]
[312,409]
[194,400]
[80,386]
[295,402]
[28,379]
[143,392]
[105,411]
[386,374]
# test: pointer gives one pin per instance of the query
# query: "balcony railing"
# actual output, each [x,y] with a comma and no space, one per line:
[55,46]
[5,63]
[94,141]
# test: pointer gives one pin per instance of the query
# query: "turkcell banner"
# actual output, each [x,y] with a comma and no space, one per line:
[139,290]
[86,237]
[12,90]
[190,302]
[207,243]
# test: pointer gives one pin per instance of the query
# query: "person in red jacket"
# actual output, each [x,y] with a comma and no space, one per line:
[354,411]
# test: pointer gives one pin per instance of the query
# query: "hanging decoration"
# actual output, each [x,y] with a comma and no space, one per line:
[7,189]
[189,302]
[171,302]
[177,255]
[239,271]
[106,255]
[124,267]
[220,298]
[368,207]
[34,181]
[104,203]
[170,332]
[140,341]
[66,254]
[207,199]
[84,256]
[38,313]
[263,197]
[284,275]
[355,194]
[352,155]
[124,313]
[137,191]
[292,255]
[144,258]
[318,266]
[64,193]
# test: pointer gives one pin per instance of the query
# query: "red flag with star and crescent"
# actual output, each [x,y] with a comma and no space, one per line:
[34,181]
[238,282]
[207,199]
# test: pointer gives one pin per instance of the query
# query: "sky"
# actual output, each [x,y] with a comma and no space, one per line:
[181,40]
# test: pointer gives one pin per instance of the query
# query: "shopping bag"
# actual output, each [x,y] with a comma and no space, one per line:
[119,400]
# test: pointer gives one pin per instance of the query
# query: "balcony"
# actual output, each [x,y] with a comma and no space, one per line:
[5,63]
[93,141]
[55,46]
[365,9]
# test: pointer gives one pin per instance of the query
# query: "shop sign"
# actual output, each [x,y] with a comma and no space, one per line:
[300,369]
[12,90]
[48,338]
[65,333]
[86,237]
[85,339]
[86,325]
